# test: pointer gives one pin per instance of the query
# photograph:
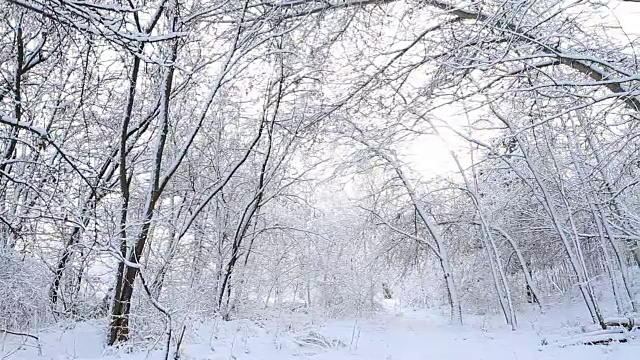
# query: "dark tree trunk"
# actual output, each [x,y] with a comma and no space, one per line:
[119,325]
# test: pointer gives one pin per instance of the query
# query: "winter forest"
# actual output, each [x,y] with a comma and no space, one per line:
[319,179]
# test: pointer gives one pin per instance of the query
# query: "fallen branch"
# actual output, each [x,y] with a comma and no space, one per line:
[627,323]
[19,334]
[37,339]
[598,337]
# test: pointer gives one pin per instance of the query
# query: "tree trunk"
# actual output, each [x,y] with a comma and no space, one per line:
[575,256]
[456,311]
[119,326]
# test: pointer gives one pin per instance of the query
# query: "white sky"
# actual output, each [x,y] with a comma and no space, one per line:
[429,156]
[628,15]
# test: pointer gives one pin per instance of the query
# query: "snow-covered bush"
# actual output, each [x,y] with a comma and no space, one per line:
[23,292]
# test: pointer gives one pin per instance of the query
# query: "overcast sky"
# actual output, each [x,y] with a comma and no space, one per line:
[628,14]
[430,157]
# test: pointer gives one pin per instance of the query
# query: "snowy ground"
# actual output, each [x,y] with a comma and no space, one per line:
[394,335]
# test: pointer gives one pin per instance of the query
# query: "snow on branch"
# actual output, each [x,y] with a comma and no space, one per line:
[628,323]
[26,335]
[601,71]
[600,337]
[101,20]
[618,329]
[7,120]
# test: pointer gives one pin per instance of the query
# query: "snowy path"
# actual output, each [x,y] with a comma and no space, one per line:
[411,335]
[420,335]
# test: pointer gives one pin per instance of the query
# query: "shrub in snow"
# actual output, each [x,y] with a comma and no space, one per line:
[315,339]
[23,292]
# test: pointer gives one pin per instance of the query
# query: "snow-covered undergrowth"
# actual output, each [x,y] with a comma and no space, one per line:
[397,333]
[23,286]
